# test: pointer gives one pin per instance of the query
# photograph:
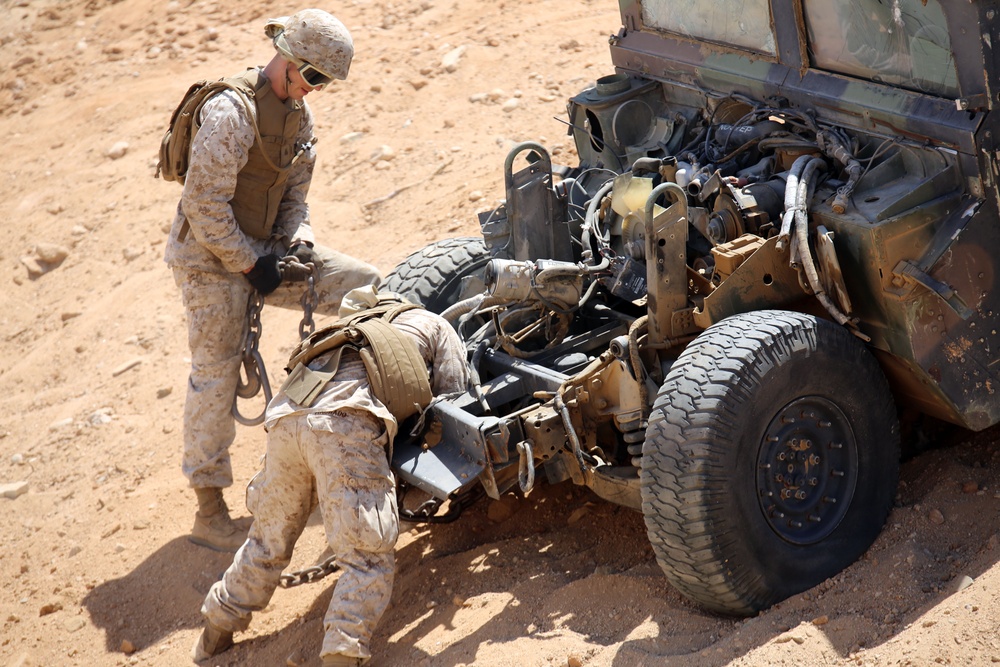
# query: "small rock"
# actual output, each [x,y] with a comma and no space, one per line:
[50,608]
[127,647]
[131,252]
[501,510]
[459,601]
[75,623]
[935,517]
[75,550]
[376,88]
[163,392]
[118,150]
[383,152]
[475,195]
[573,660]
[140,524]
[51,253]
[961,583]
[970,487]
[34,267]
[351,136]
[56,425]
[17,459]
[13,490]
[418,83]
[69,314]
[821,620]
[450,61]
[101,416]
[510,105]
[383,165]
[577,514]
[128,365]
[111,531]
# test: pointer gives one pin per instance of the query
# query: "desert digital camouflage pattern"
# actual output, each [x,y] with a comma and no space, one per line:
[338,460]
[777,248]
[207,252]
[334,453]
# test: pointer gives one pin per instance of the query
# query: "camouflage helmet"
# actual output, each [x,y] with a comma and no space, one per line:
[315,37]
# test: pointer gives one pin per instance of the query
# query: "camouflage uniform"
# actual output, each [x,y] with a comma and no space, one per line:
[334,450]
[208,262]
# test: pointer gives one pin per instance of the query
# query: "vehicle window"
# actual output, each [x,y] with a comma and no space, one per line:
[900,42]
[742,23]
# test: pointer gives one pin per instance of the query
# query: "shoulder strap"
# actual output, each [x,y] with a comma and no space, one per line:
[246,95]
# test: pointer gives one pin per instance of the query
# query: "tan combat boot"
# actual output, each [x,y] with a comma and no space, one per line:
[213,528]
[341,660]
[212,641]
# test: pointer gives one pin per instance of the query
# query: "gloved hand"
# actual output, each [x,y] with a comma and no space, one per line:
[303,254]
[265,276]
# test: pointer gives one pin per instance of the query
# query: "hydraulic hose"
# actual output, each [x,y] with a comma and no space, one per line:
[791,188]
[804,189]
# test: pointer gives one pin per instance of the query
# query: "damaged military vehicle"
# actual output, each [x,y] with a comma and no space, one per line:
[778,245]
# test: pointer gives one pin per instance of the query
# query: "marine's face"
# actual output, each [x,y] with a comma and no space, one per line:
[296,86]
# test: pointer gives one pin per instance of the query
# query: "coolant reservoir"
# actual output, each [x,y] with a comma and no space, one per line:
[630,193]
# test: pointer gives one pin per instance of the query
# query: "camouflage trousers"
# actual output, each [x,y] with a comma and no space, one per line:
[339,459]
[216,305]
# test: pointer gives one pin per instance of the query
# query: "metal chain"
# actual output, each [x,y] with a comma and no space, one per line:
[309,301]
[308,575]
[253,364]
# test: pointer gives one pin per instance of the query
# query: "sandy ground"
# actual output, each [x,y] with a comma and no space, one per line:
[95,568]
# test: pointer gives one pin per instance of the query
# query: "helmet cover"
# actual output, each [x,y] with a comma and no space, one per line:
[315,37]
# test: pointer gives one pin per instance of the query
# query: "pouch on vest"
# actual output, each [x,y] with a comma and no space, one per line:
[303,385]
[175,147]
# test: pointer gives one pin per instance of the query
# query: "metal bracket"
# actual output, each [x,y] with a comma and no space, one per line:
[911,273]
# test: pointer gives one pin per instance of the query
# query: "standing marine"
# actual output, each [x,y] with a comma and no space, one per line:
[243,210]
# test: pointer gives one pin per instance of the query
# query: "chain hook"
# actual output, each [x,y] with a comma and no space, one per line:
[253,364]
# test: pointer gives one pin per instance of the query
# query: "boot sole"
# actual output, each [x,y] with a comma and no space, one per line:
[202,542]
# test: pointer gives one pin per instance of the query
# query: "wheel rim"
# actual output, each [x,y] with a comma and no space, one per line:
[807,470]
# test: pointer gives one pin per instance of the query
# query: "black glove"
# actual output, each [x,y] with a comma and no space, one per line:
[265,276]
[303,254]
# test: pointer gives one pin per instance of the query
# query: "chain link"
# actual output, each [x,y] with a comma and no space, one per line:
[253,364]
[308,575]
[309,301]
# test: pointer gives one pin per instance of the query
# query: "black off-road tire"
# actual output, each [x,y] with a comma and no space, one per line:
[433,275]
[771,460]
